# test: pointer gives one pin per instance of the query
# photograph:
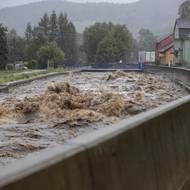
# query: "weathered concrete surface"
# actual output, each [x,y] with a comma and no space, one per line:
[4,88]
[63,167]
[186,184]
[150,151]
[175,73]
[151,154]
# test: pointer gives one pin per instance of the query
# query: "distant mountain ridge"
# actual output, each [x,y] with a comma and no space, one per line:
[157,15]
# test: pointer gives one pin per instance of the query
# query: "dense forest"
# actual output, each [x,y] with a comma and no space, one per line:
[50,43]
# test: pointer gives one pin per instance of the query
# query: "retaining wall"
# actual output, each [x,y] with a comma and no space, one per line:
[5,87]
[175,73]
[150,151]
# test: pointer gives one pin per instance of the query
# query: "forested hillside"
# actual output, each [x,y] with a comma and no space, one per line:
[159,16]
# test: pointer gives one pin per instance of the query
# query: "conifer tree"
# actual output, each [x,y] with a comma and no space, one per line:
[53,29]
[28,32]
[3,47]
[63,31]
[67,38]
[44,24]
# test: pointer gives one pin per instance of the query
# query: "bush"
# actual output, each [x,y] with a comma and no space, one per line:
[10,67]
[32,64]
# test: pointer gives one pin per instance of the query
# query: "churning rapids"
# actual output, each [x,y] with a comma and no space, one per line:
[49,112]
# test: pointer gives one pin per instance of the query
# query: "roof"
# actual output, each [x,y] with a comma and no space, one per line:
[165,44]
[183,23]
[164,49]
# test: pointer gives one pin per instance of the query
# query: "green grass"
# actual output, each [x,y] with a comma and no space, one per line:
[10,76]
[14,76]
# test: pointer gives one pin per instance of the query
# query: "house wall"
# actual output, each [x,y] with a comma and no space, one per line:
[177,46]
[167,57]
[183,47]
[162,59]
[186,53]
[176,33]
[166,47]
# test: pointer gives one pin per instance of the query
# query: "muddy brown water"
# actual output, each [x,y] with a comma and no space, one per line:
[133,93]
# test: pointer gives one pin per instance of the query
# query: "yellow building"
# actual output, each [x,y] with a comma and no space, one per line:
[166,57]
[165,50]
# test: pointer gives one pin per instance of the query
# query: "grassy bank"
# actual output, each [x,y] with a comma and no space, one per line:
[10,76]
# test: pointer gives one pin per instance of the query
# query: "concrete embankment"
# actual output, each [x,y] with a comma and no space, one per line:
[175,73]
[5,87]
[150,151]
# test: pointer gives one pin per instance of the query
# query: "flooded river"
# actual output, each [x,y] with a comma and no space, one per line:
[49,112]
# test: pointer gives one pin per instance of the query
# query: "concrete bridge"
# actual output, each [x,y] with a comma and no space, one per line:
[150,151]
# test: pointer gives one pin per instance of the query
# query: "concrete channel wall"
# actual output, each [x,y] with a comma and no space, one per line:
[5,87]
[150,151]
[175,73]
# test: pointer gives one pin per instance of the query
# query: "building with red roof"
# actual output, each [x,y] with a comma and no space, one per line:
[165,50]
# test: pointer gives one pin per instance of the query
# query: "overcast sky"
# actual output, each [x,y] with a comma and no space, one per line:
[5,3]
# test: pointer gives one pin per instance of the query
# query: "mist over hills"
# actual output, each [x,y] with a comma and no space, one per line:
[157,15]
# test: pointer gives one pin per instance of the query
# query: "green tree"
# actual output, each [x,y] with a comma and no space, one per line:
[116,46]
[71,55]
[107,50]
[134,52]
[124,41]
[44,24]
[67,38]
[184,9]
[39,38]
[29,51]
[16,47]
[32,46]
[11,42]
[28,32]
[53,28]
[50,54]
[92,36]
[3,47]
[63,31]
[147,40]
